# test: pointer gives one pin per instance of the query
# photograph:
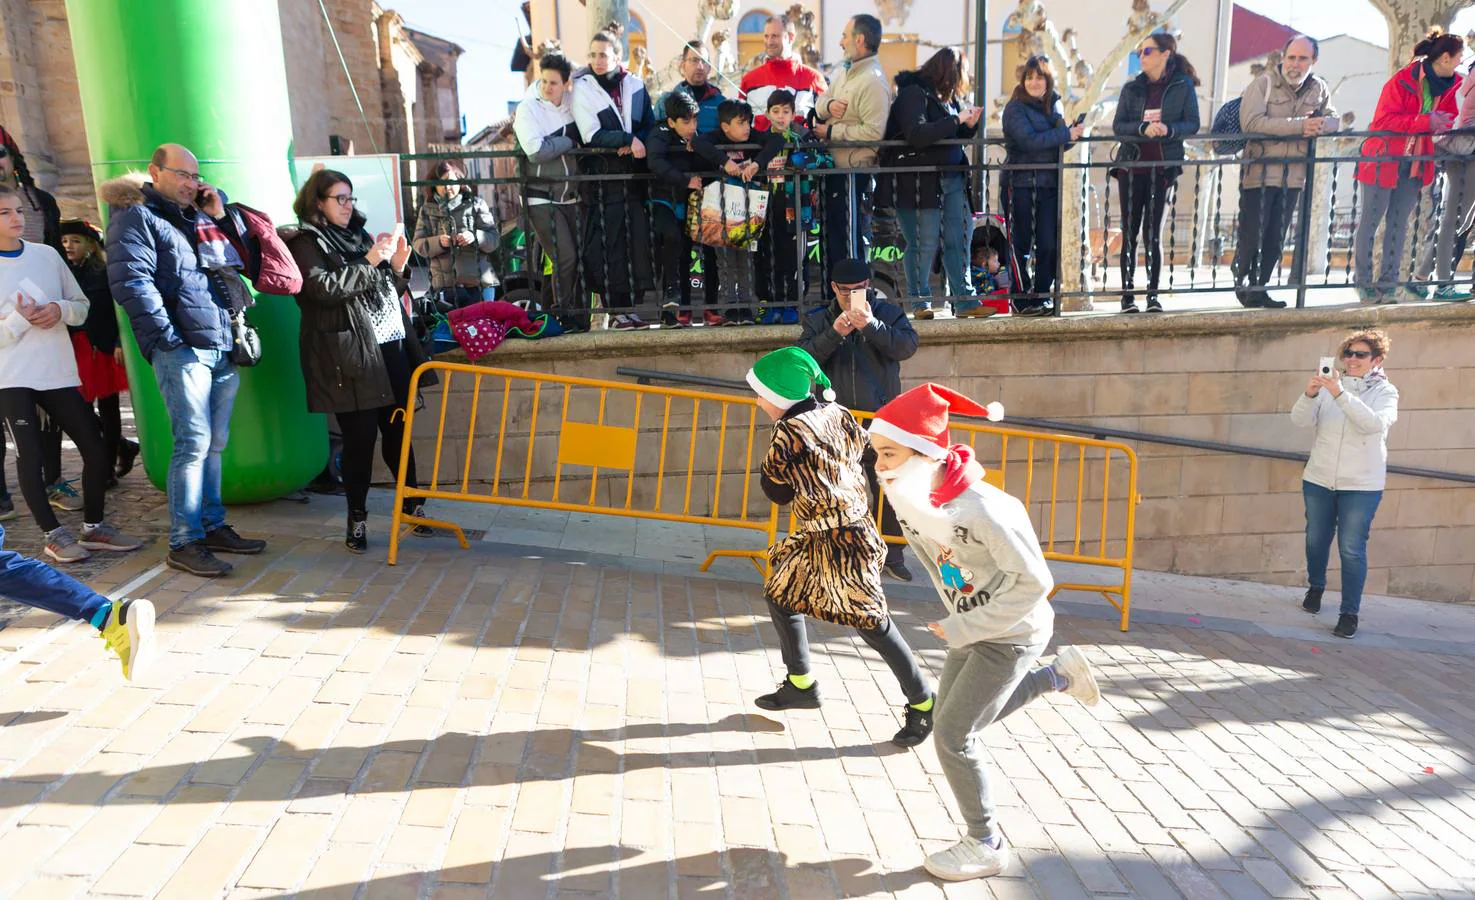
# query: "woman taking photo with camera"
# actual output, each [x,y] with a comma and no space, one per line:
[1035,135]
[457,233]
[358,348]
[1343,481]
[1160,105]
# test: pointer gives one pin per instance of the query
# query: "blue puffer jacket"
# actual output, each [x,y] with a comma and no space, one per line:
[1035,133]
[154,274]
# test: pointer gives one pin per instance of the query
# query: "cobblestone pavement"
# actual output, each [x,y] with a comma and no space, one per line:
[554,723]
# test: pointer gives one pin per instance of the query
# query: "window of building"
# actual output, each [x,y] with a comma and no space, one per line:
[750,34]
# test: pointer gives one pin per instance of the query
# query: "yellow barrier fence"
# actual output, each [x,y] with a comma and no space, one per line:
[584,445]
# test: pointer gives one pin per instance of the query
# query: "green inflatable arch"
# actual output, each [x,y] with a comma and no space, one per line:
[208,74]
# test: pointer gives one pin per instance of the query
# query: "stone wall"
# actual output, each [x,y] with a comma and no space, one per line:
[1229,377]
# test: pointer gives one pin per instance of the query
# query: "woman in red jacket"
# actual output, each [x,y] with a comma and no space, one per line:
[1420,100]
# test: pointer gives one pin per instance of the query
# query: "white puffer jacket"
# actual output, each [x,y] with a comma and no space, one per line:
[1351,448]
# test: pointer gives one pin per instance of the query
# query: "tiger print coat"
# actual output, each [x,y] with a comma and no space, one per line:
[830,566]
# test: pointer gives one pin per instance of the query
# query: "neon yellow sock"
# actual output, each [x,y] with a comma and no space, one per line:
[802,682]
[924,706]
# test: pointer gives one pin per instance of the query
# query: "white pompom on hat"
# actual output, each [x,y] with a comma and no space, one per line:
[918,419]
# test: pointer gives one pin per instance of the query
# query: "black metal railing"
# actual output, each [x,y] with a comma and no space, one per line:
[630,236]
[654,376]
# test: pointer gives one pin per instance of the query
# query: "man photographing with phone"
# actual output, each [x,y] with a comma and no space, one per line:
[174,266]
[860,341]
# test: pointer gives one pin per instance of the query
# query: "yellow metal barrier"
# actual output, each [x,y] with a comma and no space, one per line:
[617,448]
[607,445]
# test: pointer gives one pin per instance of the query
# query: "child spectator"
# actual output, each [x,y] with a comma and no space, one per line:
[778,263]
[728,150]
[672,162]
[990,275]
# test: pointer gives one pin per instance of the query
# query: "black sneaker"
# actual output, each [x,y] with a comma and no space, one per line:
[1346,626]
[790,697]
[225,540]
[357,540]
[918,726]
[899,571]
[1312,601]
[1265,301]
[418,511]
[127,456]
[1129,306]
[7,508]
[1154,305]
[196,559]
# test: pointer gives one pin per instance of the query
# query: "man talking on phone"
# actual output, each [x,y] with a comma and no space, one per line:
[174,267]
[859,341]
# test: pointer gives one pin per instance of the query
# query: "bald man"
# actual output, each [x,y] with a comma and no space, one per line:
[175,267]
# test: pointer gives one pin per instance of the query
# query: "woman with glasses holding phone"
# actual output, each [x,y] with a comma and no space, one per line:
[1344,478]
[1157,109]
[358,347]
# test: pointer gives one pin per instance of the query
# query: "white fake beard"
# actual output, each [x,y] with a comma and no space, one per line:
[908,489]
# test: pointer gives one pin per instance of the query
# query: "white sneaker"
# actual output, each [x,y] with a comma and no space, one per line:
[1072,663]
[967,859]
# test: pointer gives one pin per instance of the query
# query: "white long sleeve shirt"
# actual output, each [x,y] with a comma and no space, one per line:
[38,358]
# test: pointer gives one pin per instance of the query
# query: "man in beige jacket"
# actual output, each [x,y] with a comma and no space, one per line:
[1287,100]
[855,109]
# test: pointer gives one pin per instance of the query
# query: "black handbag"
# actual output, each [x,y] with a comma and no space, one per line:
[245,345]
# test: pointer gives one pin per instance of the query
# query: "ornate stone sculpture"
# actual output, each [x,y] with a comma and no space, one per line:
[893,12]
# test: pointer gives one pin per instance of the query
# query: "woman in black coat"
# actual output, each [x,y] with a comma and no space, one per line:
[1035,135]
[927,111]
[358,348]
[1160,105]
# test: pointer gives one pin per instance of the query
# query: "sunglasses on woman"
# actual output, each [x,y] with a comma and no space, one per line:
[1148,51]
[1357,354]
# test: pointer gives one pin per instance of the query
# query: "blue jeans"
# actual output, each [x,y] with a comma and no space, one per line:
[34,583]
[954,224]
[1348,514]
[199,389]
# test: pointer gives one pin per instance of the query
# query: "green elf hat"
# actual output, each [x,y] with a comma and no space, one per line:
[788,376]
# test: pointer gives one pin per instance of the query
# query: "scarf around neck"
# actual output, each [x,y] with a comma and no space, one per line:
[960,472]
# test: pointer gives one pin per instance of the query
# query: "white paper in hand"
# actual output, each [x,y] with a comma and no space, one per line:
[32,290]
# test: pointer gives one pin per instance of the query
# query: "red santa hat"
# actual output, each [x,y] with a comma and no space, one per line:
[918,419]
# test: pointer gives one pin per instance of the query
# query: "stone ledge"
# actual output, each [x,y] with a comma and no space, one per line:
[759,338]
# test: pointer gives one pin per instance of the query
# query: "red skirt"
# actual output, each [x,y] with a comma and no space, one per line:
[100,373]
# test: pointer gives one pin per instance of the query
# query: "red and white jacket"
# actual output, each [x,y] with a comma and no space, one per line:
[781,74]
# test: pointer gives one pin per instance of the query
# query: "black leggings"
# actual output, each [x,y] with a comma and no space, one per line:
[1144,199]
[66,408]
[360,428]
[886,640]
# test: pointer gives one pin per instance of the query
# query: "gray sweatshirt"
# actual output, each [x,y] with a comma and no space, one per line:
[988,568]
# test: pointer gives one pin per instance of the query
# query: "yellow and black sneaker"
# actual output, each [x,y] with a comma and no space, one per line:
[129,632]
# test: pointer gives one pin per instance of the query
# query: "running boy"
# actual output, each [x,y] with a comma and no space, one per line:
[979,546]
[830,566]
[726,150]
[127,626]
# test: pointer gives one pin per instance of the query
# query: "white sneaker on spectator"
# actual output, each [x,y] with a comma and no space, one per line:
[967,859]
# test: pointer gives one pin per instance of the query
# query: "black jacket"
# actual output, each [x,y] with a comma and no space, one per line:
[1035,133]
[50,218]
[672,163]
[101,326]
[1179,110]
[921,119]
[715,148]
[864,367]
[342,365]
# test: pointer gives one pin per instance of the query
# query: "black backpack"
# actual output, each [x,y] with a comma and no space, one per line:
[1226,121]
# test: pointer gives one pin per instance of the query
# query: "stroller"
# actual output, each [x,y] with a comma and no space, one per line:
[992,232]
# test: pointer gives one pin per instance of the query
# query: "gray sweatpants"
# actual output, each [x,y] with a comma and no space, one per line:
[981,684]
[1437,256]
[1396,205]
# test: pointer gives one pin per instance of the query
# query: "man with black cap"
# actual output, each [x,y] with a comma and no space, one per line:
[860,341]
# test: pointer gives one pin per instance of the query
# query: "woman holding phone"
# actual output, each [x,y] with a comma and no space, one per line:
[1344,478]
[929,110]
[1035,136]
[358,348]
[1157,109]
[457,233]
